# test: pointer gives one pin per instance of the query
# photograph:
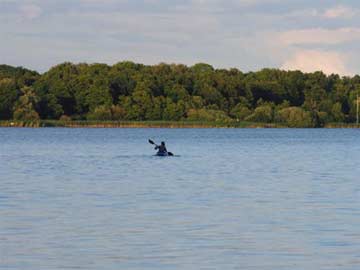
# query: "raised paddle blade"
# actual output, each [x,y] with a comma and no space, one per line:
[170,154]
[152,142]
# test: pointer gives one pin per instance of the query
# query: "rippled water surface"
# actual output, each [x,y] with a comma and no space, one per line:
[230,199]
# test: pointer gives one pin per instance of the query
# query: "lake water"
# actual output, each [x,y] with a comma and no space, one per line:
[230,199]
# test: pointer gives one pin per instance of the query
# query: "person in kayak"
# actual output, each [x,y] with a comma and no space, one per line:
[161,148]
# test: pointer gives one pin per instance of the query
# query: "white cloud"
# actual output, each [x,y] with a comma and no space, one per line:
[319,36]
[30,11]
[315,60]
[340,12]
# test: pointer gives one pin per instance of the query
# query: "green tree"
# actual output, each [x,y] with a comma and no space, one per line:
[294,117]
[241,110]
[25,106]
[118,113]
[207,115]
[176,93]
[336,112]
[8,97]
[100,113]
[98,96]
[174,111]
[263,113]
[131,91]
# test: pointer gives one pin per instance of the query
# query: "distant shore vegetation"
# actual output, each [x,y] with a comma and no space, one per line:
[128,92]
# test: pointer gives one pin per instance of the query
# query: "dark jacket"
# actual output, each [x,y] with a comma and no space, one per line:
[161,148]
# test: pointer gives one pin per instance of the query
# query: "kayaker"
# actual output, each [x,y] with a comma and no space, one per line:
[162,148]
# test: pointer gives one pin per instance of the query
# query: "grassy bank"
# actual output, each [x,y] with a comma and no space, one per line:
[153,124]
[341,125]
[136,124]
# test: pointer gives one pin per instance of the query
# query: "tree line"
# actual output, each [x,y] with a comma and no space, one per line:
[129,91]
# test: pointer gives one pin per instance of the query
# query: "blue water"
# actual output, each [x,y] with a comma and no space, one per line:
[230,199]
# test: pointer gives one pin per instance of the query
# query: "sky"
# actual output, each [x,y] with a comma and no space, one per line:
[307,35]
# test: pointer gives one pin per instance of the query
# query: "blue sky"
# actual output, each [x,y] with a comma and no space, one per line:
[246,34]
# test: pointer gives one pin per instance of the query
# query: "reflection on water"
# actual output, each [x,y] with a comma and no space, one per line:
[232,199]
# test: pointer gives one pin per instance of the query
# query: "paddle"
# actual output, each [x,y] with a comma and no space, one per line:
[152,142]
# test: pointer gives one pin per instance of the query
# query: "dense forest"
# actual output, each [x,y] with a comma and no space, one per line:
[134,92]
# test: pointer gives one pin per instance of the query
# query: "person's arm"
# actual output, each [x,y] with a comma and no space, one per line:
[157,147]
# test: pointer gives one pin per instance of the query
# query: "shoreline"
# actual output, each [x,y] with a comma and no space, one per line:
[152,124]
[134,124]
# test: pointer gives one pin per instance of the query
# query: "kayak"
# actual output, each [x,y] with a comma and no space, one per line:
[160,154]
